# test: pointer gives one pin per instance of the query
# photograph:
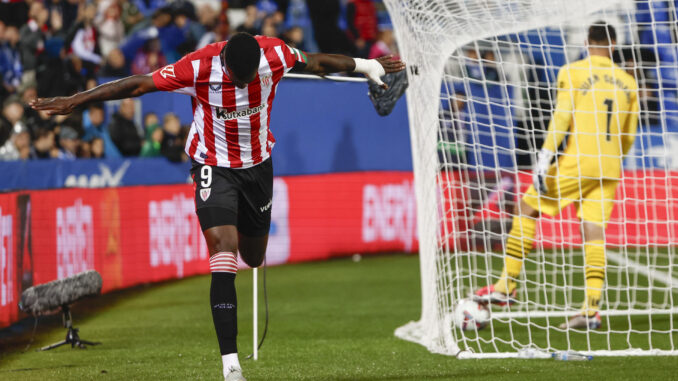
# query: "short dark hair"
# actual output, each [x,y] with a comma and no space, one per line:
[602,33]
[241,54]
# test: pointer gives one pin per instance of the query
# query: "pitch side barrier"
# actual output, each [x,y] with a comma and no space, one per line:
[142,234]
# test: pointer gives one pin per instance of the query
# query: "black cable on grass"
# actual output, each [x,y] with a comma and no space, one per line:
[35,327]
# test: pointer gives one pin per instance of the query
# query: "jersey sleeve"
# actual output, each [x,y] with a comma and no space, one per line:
[177,77]
[631,125]
[562,114]
[294,58]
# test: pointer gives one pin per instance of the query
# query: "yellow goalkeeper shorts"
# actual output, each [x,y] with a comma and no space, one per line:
[594,198]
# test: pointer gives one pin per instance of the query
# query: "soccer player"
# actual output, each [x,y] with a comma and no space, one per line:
[596,114]
[232,84]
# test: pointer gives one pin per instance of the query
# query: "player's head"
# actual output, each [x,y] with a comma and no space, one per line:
[241,57]
[602,35]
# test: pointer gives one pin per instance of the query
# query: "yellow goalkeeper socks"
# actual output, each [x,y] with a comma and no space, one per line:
[595,275]
[518,245]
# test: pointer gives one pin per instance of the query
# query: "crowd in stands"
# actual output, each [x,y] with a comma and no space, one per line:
[59,47]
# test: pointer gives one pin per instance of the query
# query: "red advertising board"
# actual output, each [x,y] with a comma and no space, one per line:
[144,234]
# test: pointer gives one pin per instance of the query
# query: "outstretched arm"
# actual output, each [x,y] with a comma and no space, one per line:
[133,86]
[321,64]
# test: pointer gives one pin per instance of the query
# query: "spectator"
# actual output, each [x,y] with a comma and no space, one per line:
[115,65]
[84,45]
[36,121]
[147,7]
[172,144]
[18,146]
[9,116]
[159,26]
[250,24]
[93,122]
[12,113]
[297,17]
[130,15]
[294,37]
[32,40]
[10,59]
[124,132]
[69,142]
[385,43]
[28,92]
[149,59]
[67,9]
[110,26]
[43,146]
[362,24]
[191,30]
[154,137]
[325,17]
[269,27]
[97,148]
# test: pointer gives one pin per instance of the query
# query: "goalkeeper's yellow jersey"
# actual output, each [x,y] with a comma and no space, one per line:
[597,108]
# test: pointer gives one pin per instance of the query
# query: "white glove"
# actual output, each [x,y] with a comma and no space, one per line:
[371,68]
[539,175]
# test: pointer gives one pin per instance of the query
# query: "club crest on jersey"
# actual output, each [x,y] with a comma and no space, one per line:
[167,71]
[266,80]
[205,193]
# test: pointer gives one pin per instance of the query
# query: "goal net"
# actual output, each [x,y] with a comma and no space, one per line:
[482,92]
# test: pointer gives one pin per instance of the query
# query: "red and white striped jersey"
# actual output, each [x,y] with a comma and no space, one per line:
[230,125]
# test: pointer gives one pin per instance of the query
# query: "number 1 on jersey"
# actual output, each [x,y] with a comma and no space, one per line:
[609,103]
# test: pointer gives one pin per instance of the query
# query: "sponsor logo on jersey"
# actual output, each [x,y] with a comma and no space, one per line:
[223,114]
[205,193]
[167,71]
[215,87]
[266,207]
[266,80]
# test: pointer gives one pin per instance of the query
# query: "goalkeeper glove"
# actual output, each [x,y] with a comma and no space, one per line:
[539,175]
[371,68]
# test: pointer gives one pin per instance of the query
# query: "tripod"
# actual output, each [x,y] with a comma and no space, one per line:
[72,334]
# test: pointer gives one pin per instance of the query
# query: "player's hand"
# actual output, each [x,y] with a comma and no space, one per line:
[54,106]
[390,65]
[541,169]
[374,69]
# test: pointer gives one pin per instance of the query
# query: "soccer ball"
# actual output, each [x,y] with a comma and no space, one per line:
[470,315]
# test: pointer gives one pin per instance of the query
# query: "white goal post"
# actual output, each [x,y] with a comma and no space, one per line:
[482,90]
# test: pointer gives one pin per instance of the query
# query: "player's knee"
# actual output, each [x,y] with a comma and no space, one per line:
[224,243]
[524,209]
[593,232]
[253,259]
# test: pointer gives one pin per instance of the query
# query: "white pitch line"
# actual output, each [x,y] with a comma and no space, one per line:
[637,267]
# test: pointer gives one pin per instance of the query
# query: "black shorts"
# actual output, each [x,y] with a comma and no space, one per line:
[240,197]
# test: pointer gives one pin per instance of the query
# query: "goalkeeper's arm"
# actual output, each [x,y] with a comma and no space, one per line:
[629,135]
[558,128]
[319,63]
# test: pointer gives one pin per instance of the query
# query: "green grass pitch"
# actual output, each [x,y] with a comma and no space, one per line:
[329,321]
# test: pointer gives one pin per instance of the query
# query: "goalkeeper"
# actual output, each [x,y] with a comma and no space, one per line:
[597,110]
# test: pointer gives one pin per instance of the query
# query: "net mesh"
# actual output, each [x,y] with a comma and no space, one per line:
[493,67]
